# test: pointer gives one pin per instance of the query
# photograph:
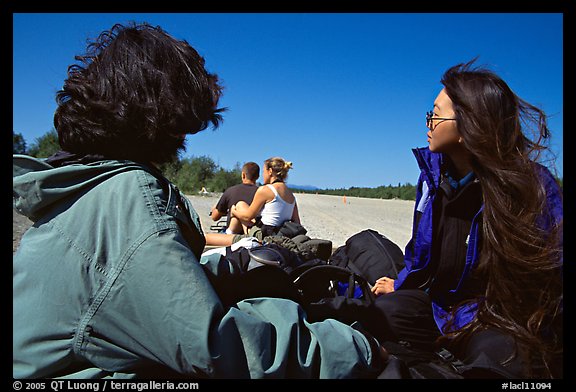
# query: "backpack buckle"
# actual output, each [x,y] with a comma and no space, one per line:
[449,358]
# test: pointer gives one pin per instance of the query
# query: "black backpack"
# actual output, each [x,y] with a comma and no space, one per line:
[371,255]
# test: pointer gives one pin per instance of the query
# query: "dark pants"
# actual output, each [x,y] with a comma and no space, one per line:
[409,316]
[408,313]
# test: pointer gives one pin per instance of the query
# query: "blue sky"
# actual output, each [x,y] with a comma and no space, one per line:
[342,95]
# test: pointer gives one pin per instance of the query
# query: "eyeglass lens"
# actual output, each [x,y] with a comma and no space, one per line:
[429,119]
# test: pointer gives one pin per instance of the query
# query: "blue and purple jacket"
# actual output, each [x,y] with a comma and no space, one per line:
[418,251]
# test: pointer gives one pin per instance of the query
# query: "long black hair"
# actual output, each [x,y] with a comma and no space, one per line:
[134,95]
[520,259]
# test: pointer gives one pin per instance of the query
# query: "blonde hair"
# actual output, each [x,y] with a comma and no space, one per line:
[279,167]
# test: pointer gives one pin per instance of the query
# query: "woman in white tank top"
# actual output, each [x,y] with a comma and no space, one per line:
[273,204]
[277,210]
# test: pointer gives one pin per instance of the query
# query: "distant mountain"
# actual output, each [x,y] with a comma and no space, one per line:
[303,187]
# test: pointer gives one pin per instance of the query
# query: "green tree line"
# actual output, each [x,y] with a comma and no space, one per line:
[403,192]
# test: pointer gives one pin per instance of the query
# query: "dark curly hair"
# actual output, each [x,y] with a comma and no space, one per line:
[134,95]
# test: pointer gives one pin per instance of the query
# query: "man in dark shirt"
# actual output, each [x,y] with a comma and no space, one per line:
[244,191]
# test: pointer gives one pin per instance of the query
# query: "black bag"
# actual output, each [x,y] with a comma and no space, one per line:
[328,291]
[291,229]
[371,255]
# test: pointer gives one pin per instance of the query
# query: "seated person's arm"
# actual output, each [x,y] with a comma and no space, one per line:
[295,215]
[220,209]
[215,214]
[262,195]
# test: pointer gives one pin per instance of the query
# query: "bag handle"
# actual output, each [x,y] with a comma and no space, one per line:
[315,276]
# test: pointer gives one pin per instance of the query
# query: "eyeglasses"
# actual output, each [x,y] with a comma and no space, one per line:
[430,120]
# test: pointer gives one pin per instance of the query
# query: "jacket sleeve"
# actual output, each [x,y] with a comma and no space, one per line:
[162,309]
[422,200]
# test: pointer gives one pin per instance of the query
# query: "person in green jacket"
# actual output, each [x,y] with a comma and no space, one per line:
[109,281]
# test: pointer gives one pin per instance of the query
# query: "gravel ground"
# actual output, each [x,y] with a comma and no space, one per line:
[327,217]
[19,225]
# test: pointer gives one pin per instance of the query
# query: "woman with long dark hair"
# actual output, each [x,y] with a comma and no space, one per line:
[486,251]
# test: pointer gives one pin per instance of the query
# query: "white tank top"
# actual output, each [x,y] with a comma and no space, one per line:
[277,211]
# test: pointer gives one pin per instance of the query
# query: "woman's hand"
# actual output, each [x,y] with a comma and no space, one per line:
[384,285]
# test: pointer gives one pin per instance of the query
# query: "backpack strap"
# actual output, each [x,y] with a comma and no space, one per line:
[318,282]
